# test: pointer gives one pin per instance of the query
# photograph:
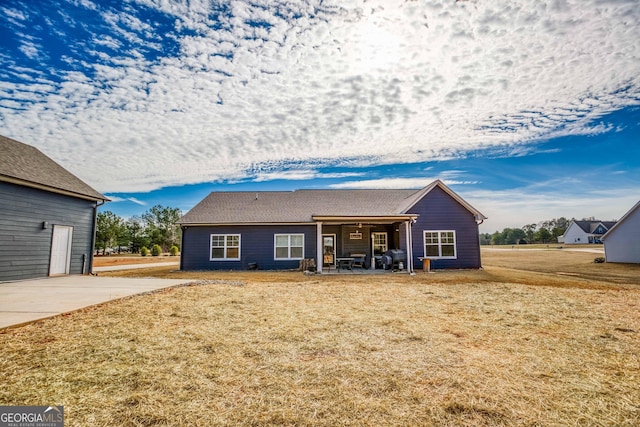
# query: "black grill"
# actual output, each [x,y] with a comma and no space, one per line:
[393,257]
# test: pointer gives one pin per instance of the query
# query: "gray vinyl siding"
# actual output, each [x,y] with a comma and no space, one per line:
[25,247]
[439,211]
[256,246]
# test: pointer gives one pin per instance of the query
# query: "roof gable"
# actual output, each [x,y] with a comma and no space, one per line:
[25,165]
[305,205]
[627,215]
[411,201]
[591,226]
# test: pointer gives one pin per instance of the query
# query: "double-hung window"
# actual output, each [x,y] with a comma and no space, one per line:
[225,247]
[289,246]
[440,244]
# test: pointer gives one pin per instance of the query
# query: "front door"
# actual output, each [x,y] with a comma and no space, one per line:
[379,245]
[60,250]
[329,249]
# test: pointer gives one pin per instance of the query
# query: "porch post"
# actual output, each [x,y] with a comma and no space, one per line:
[409,247]
[319,247]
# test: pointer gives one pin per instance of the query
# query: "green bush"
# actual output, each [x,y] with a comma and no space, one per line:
[156,250]
[173,251]
[144,251]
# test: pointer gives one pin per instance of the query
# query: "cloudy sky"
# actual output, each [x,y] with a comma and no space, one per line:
[529,110]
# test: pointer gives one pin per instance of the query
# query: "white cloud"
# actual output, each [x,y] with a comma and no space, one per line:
[136,201]
[117,199]
[298,175]
[448,177]
[339,83]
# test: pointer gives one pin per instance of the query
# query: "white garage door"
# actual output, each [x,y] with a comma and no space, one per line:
[60,250]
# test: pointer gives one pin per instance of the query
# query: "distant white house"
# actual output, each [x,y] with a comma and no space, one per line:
[622,241]
[585,232]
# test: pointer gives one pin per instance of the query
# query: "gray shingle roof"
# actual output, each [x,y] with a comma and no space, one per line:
[589,226]
[302,205]
[26,165]
[293,206]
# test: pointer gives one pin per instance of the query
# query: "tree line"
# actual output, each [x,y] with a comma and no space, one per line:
[543,232]
[157,226]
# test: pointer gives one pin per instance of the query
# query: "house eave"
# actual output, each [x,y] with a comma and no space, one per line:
[341,219]
[21,182]
[227,224]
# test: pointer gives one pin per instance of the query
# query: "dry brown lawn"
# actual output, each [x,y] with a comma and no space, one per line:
[506,346]
[111,260]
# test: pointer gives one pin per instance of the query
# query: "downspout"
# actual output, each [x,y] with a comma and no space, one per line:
[319,254]
[93,238]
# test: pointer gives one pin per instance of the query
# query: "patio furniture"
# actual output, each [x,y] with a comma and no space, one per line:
[345,262]
[359,260]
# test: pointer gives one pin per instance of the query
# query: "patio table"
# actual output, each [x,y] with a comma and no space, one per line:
[345,262]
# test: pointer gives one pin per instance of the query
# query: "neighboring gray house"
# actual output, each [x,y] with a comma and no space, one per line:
[47,216]
[622,241]
[586,231]
[275,230]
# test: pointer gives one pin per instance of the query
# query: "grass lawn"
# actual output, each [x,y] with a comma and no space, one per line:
[505,346]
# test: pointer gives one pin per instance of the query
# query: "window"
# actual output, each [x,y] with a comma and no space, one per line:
[440,244]
[380,245]
[289,246]
[225,247]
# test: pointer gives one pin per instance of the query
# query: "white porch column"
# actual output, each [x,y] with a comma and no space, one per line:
[319,248]
[409,246]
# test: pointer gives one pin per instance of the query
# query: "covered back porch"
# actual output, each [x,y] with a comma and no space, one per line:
[359,243]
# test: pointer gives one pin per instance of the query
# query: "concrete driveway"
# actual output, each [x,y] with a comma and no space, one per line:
[29,300]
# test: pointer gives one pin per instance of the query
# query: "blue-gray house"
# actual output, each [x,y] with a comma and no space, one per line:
[275,230]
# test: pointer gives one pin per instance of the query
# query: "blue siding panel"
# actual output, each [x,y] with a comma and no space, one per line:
[439,211]
[256,246]
[25,247]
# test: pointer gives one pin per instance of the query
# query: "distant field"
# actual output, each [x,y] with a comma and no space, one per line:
[572,267]
[536,338]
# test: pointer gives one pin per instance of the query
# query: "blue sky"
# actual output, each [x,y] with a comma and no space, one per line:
[528,110]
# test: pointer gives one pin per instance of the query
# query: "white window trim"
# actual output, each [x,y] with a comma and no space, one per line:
[382,233]
[424,244]
[225,247]
[275,247]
